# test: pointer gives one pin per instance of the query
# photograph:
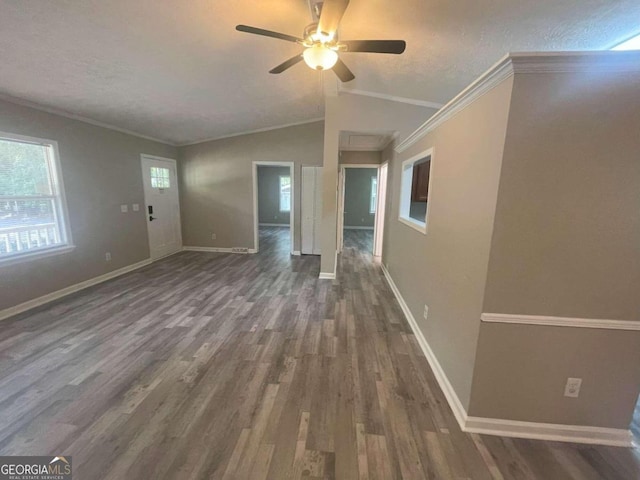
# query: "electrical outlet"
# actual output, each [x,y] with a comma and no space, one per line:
[572,388]
[124,208]
[135,207]
[107,256]
[213,236]
[426,312]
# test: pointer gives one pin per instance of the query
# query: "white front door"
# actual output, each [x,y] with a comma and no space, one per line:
[162,207]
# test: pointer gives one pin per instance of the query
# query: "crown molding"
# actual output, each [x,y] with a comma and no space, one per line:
[527,63]
[576,62]
[393,98]
[79,118]
[486,82]
[249,132]
[601,323]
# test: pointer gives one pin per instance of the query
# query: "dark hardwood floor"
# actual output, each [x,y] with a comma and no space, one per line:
[361,240]
[247,366]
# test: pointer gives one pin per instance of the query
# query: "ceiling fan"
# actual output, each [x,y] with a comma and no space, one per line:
[321,43]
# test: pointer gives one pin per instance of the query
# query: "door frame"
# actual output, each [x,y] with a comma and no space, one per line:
[292,211]
[174,164]
[381,208]
[341,188]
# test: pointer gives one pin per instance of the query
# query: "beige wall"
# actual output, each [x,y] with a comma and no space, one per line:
[216,183]
[351,157]
[567,211]
[521,371]
[446,268]
[566,243]
[101,170]
[362,114]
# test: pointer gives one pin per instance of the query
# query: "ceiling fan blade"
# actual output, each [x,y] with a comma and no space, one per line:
[285,65]
[375,46]
[330,16]
[343,72]
[268,33]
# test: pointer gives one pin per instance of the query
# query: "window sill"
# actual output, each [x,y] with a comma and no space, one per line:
[35,255]
[415,224]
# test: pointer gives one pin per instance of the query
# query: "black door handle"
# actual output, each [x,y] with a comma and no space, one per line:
[151,219]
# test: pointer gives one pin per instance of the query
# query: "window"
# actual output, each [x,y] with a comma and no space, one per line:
[32,206]
[285,193]
[160,177]
[414,191]
[632,44]
[374,195]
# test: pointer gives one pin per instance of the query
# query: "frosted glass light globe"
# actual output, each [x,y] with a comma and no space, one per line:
[320,57]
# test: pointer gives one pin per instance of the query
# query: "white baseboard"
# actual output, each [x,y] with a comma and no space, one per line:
[218,250]
[285,225]
[555,432]
[450,394]
[50,297]
[296,253]
[327,276]
[357,228]
[561,321]
[502,427]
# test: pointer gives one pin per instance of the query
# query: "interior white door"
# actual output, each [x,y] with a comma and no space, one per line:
[162,207]
[311,192]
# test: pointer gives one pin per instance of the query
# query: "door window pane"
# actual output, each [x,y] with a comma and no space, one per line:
[160,177]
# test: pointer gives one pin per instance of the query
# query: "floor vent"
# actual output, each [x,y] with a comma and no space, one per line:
[240,250]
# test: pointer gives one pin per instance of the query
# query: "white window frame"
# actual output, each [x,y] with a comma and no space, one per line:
[406,181]
[373,196]
[280,177]
[60,203]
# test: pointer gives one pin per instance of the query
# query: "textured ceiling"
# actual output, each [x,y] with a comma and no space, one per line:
[177,70]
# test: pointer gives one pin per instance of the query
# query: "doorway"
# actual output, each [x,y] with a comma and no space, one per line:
[361,191]
[162,205]
[273,206]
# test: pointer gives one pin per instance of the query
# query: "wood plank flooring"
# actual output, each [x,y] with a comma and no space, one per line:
[249,367]
[358,239]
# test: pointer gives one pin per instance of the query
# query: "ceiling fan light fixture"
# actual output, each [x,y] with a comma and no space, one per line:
[320,57]
[322,37]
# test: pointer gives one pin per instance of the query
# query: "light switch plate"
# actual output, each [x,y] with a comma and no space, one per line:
[124,208]
[136,207]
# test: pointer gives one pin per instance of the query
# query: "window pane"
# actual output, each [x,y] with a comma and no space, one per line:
[159,177]
[28,224]
[285,193]
[30,203]
[24,170]
[374,195]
